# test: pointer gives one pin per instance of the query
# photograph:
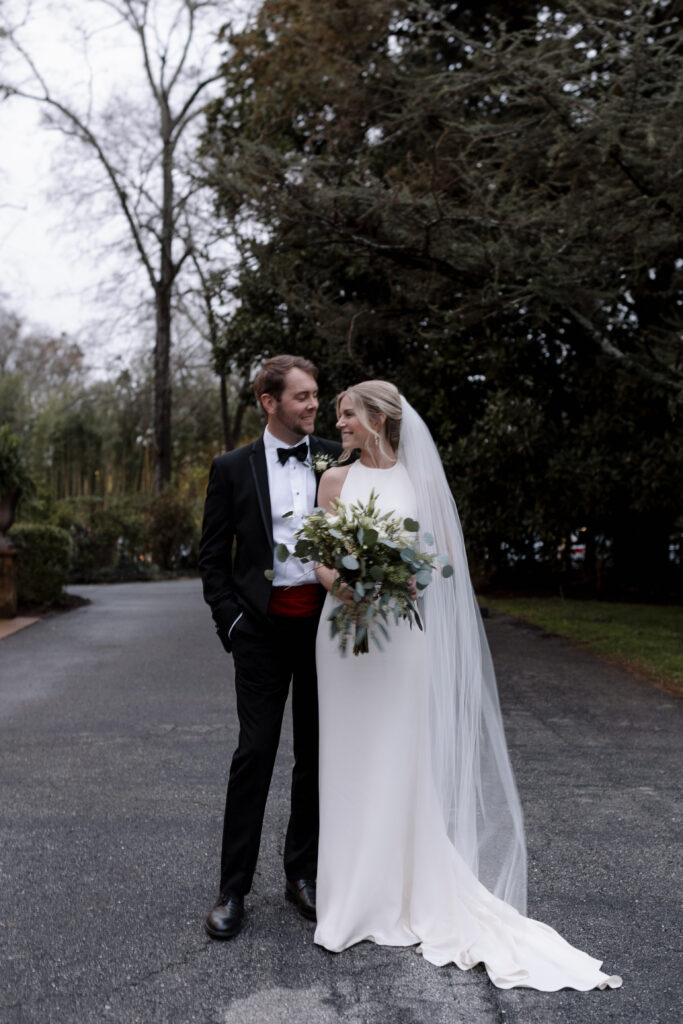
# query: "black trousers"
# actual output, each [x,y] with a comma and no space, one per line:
[266,661]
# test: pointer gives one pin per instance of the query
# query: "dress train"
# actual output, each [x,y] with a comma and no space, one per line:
[387,870]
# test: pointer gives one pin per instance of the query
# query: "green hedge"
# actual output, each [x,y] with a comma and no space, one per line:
[172,532]
[124,538]
[43,561]
[108,538]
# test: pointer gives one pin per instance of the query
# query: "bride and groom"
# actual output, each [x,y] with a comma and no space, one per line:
[415,836]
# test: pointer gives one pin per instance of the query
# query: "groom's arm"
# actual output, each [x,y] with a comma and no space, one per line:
[215,551]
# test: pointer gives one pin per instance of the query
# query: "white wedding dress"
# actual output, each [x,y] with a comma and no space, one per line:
[387,870]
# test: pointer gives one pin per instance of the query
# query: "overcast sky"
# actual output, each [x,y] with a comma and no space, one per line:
[42,276]
[49,275]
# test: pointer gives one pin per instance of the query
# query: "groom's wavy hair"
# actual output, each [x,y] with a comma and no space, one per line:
[270,380]
[370,399]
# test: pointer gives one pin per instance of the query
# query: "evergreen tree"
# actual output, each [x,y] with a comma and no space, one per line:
[479,203]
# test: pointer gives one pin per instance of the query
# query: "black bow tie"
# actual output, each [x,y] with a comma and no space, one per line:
[300,452]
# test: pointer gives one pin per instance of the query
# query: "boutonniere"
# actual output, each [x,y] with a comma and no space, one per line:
[321,462]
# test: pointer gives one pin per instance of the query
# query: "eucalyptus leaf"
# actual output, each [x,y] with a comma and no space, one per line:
[281,552]
[286,515]
[371,538]
[350,562]
[358,592]
[269,574]
[377,573]
[411,525]
[428,539]
[407,555]
[447,571]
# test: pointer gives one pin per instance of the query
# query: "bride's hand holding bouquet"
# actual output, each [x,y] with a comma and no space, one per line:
[376,571]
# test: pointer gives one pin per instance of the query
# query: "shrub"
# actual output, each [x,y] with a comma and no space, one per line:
[13,473]
[43,561]
[108,538]
[172,531]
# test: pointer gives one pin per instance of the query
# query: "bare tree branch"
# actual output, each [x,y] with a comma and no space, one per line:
[86,135]
[671,379]
[145,189]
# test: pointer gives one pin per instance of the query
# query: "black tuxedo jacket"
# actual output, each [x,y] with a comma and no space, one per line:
[237,536]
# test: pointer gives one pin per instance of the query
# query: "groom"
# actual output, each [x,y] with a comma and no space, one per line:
[269,626]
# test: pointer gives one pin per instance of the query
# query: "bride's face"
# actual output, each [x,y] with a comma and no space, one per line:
[353,433]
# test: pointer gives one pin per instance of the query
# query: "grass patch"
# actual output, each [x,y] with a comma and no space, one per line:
[647,638]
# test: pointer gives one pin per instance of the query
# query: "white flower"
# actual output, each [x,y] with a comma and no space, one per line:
[321,462]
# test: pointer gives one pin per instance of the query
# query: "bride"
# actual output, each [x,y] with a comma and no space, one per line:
[421,835]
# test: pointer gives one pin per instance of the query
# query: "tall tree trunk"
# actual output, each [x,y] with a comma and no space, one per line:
[162,347]
[242,407]
[162,391]
[232,426]
[225,414]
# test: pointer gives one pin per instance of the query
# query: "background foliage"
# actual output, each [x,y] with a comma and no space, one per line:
[481,203]
[42,560]
[84,448]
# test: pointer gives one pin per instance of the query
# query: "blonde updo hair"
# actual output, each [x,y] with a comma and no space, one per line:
[370,399]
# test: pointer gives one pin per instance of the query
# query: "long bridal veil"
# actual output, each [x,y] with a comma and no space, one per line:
[471,766]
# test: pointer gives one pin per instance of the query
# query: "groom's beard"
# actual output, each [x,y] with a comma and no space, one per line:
[299,425]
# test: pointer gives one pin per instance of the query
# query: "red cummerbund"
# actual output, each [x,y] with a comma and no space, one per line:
[296,602]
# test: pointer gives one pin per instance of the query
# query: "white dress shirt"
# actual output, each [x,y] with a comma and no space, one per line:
[292,489]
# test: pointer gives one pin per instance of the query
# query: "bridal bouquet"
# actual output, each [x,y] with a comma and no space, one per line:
[375,556]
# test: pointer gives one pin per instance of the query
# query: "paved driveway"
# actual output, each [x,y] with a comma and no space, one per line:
[116,727]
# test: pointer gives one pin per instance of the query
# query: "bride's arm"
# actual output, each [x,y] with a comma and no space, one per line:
[331,483]
[330,487]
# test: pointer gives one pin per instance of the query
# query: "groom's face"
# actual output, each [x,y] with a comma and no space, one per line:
[293,416]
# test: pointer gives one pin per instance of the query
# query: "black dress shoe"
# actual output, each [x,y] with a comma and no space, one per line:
[225,920]
[301,892]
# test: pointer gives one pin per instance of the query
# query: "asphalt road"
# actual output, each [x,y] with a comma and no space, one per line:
[116,728]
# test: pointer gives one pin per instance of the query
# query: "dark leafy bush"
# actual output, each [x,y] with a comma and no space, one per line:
[108,538]
[43,561]
[14,475]
[172,532]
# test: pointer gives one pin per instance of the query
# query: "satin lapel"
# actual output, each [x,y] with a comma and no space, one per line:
[259,471]
[316,449]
